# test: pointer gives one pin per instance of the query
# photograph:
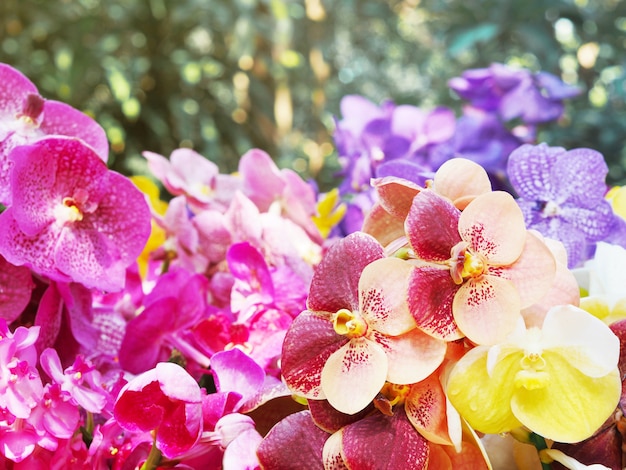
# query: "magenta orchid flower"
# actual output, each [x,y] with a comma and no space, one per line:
[175,305]
[482,266]
[357,330]
[26,117]
[166,400]
[72,219]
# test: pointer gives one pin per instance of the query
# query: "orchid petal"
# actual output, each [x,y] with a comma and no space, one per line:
[581,339]
[432,226]
[396,194]
[493,225]
[412,356]
[431,294]
[309,342]
[331,454]
[484,400]
[461,181]
[380,442]
[533,273]
[487,310]
[382,296]
[572,406]
[336,279]
[354,374]
[425,407]
[382,225]
[294,442]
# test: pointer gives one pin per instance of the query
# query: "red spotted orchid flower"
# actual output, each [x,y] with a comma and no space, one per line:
[477,268]
[357,330]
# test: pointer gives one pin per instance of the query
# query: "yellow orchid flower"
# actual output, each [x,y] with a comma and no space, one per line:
[157,234]
[617,197]
[604,281]
[560,381]
[329,211]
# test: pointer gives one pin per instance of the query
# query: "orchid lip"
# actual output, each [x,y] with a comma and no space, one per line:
[348,323]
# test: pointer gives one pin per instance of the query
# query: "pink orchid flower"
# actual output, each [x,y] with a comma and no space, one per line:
[189,173]
[277,190]
[357,330]
[72,219]
[478,267]
[166,400]
[26,117]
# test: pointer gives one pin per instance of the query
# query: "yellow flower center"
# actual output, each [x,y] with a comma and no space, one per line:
[465,264]
[348,323]
[532,376]
[396,394]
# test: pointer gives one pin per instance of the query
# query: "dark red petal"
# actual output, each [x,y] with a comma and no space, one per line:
[432,226]
[431,293]
[381,442]
[331,420]
[294,443]
[336,279]
[309,342]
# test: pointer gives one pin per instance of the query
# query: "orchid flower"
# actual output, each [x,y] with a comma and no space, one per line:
[166,400]
[477,268]
[357,329]
[560,381]
[71,218]
[26,117]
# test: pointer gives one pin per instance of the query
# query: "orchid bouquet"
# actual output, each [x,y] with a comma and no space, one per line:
[457,302]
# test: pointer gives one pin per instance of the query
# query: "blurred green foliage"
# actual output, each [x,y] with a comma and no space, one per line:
[223,76]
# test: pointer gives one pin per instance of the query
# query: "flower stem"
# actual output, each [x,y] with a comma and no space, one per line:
[154,457]
[540,443]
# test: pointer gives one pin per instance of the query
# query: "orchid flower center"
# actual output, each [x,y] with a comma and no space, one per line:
[33,107]
[466,264]
[396,394]
[348,323]
[532,376]
[69,211]
[73,208]
[549,209]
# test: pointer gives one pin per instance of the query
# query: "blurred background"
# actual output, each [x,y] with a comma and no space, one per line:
[223,76]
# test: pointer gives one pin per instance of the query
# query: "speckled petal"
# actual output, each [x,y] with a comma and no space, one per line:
[309,342]
[493,225]
[382,295]
[336,279]
[530,171]
[487,310]
[431,293]
[354,374]
[381,442]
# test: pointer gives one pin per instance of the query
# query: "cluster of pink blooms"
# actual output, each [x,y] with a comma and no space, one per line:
[131,335]
[224,329]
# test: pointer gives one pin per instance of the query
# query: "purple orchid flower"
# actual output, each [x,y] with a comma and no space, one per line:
[72,219]
[26,117]
[514,93]
[561,194]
